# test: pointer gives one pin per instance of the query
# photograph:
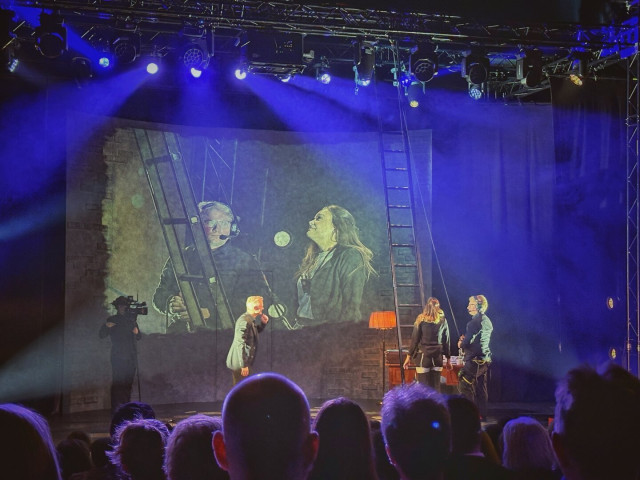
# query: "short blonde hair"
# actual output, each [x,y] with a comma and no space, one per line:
[481,301]
[254,300]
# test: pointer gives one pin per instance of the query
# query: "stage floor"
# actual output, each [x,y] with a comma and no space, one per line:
[96,423]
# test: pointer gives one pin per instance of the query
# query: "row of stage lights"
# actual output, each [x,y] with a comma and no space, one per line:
[124,48]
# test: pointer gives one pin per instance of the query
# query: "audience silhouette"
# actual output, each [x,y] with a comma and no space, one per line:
[345,451]
[266,431]
[189,453]
[597,420]
[417,431]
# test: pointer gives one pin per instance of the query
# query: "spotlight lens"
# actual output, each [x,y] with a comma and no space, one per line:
[195,73]
[405,80]
[13,65]
[576,79]
[152,68]
[325,78]
[475,92]
[414,103]
[104,62]
[285,78]
[365,82]
[240,74]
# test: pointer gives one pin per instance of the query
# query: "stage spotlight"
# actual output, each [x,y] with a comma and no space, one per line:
[152,68]
[9,57]
[322,72]
[195,73]
[324,78]
[241,73]
[104,62]
[529,68]
[365,63]
[576,79]
[424,62]
[414,94]
[610,303]
[12,66]
[475,68]
[475,91]
[82,70]
[125,47]
[51,35]
[195,53]
[405,79]
[286,78]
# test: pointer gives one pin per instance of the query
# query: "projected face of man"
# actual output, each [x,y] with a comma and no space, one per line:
[216,222]
[321,229]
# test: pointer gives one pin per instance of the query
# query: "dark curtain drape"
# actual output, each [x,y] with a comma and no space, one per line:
[590,215]
[493,229]
[528,209]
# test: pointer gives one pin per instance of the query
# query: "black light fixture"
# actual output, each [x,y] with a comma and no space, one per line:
[51,35]
[82,70]
[475,68]
[323,73]
[424,62]
[8,44]
[414,93]
[579,67]
[196,49]
[529,68]
[365,63]
[125,46]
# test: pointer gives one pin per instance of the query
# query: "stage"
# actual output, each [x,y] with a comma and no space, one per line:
[96,423]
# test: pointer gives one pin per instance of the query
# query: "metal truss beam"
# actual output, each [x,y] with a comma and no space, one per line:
[633,212]
[335,21]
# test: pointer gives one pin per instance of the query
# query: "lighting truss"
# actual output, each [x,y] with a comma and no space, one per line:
[331,30]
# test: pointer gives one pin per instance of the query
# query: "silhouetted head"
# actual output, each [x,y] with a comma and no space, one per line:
[417,431]
[26,447]
[596,423]
[189,454]
[266,430]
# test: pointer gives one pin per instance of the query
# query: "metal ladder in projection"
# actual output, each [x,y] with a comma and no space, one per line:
[406,268]
[179,219]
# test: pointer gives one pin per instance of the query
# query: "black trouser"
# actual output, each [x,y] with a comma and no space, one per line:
[429,368]
[123,371]
[236,376]
[472,383]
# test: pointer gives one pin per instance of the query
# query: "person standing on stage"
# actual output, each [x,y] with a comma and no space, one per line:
[124,332]
[334,269]
[429,342]
[244,347]
[472,379]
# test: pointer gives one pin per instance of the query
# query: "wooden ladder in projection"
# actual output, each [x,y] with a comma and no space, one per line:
[179,218]
[406,268]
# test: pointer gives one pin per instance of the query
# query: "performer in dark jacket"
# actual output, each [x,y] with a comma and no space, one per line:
[477,354]
[124,332]
[334,270]
[244,348]
[239,275]
[429,342]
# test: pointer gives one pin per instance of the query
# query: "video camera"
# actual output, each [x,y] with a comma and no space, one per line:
[136,308]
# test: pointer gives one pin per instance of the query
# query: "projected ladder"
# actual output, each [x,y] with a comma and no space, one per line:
[406,270]
[179,218]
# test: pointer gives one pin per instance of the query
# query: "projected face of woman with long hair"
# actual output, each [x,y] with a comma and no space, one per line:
[334,269]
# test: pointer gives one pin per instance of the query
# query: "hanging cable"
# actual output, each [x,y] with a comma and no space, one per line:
[426,219]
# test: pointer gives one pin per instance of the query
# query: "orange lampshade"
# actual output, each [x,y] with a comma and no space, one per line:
[382,320]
